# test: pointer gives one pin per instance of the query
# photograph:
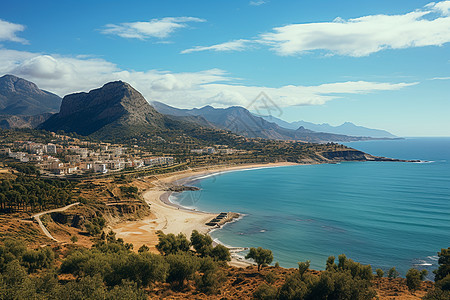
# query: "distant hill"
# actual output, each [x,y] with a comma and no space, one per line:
[21,97]
[240,121]
[347,128]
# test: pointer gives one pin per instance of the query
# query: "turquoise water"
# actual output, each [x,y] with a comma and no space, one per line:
[380,213]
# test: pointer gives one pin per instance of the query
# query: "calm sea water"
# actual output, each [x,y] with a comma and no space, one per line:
[380,213]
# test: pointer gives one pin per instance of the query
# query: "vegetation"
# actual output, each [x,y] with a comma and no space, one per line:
[171,243]
[414,277]
[110,270]
[28,193]
[261,256]
[393,273]
[380,273]
[441,289]
[129,191]
[347,280]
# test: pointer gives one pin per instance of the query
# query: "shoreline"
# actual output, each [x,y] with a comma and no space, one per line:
[173,218]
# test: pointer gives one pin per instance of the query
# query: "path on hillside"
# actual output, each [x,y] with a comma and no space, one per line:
[37,217]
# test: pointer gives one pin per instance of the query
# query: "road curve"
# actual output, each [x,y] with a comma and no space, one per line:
[38,219]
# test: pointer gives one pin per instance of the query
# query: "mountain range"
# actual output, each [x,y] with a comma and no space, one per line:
[117,109]
[346,128]
[241,121]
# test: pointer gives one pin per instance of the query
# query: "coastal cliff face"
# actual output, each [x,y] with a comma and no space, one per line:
[116,107]
[347,155]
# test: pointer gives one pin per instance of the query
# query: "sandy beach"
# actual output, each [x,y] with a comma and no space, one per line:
[169,217]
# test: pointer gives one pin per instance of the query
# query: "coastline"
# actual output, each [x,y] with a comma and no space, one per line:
[173,218]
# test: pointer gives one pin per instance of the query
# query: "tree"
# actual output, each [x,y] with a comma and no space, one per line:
[181,267]
[172,244]
[143,248]
[444,264]
[221,253]
[441,289]
[393,273]
[303,267]
[414,277]
[74,239]
[261,256]
[202,243]
[379,272]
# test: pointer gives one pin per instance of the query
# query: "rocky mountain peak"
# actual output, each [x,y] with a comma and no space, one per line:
[22,97]
[116,104]
[14,84]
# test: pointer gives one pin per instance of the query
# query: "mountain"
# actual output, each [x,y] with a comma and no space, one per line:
[18,121]
[240,121]
[347,128]
[21,97]
[113,109]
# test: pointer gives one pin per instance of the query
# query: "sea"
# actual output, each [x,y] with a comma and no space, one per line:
[386,214]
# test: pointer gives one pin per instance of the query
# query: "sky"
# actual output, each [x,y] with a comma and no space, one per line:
[380,64]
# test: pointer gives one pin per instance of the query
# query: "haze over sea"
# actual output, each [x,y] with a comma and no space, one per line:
[380,213]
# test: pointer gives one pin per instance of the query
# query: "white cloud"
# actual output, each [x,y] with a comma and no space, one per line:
[442,7]
[64,75]
[237,45]
[9,30]
[257,2]
[358,37]
[155,28]
[440,78]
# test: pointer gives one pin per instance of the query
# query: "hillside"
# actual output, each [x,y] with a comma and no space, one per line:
[21,97]
[18,121]
[240,121]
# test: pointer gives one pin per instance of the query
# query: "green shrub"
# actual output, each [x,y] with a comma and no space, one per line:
[393,273]
[380,273]
[265,292]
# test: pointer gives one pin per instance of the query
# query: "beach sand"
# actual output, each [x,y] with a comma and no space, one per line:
[169,217]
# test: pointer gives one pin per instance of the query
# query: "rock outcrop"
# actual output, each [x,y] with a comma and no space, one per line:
[115,108]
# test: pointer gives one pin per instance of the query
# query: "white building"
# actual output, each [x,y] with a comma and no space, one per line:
[100,168]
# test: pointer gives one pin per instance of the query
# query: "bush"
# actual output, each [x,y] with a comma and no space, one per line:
[270,278]
[211,278]
[393,273]
[181,267]
[414,278]
[265,292]
[380,273]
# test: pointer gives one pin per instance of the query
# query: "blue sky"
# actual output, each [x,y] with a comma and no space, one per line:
[381,64]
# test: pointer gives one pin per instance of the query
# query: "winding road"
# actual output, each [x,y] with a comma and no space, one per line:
[37,217]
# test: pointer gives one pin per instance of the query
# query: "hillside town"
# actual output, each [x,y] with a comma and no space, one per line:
[82,157]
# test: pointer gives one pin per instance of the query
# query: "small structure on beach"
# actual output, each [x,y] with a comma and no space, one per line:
[223,218]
